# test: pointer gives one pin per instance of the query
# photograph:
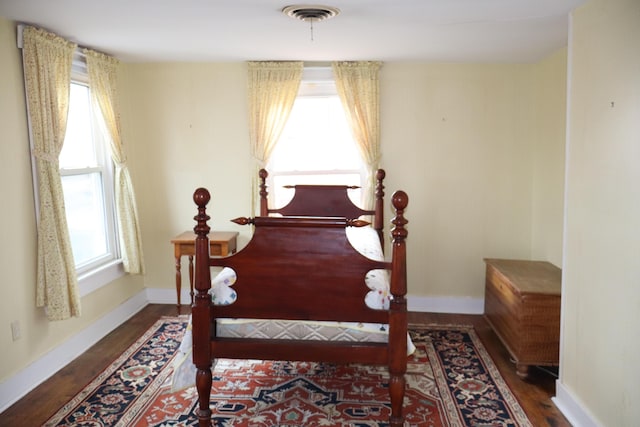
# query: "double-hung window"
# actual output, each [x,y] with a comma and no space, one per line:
[75,173]
[86,171]
[316,145]
[87,180]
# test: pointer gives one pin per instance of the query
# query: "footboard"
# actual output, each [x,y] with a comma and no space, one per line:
[300,268]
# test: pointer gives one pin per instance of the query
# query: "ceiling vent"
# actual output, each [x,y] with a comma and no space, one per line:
[310,12]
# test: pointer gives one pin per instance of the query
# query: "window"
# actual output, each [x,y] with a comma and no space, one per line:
[86,171]
[86,176]
[316,145]
[87,182]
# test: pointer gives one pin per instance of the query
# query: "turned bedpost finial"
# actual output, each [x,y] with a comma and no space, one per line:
[357,223]
[378,219]
[400,200]
[380,175]
[243,220]
[263,174]
[201,198]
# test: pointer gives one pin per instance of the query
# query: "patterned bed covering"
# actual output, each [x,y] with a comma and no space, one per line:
[363,239]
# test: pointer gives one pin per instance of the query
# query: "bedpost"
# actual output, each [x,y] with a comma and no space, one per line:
[200,310]
[264,194]
[398,310]
[378,219]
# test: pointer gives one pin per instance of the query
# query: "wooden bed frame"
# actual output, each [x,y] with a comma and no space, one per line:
[278,278]
[326,200]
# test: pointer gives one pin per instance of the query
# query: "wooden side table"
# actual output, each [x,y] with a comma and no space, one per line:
[221,243]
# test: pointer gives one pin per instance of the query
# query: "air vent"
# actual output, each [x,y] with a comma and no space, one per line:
[310,13]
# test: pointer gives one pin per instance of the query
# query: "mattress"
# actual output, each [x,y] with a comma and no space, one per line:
[301,330]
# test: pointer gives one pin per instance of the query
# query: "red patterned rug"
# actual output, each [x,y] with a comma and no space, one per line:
[451,381]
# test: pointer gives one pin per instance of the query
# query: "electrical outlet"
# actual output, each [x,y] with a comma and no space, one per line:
[15,330]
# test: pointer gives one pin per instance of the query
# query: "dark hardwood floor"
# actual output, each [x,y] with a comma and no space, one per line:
[36,407]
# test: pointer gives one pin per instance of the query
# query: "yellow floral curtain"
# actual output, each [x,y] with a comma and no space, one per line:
[102,70]
[47,68]
[273,87]
[357,84]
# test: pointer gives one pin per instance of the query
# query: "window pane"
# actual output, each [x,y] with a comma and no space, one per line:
[316,145]
[317,137]
[85,216]
[78,149]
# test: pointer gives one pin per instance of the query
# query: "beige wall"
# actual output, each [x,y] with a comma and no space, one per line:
[463,140]
[601,297]
[549,129]
[18,251]
[186,127]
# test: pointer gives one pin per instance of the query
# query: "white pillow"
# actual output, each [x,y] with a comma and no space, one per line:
[221,291]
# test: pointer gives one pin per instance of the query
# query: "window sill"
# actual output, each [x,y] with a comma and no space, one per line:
[101,276]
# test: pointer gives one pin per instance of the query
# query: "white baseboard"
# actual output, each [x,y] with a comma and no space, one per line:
[461,305]
[571,407]
[17,386]
[457,305]
[167,296]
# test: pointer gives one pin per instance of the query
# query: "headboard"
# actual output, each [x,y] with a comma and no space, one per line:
[326,201]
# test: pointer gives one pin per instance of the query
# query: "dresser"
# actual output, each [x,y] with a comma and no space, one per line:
[522,305]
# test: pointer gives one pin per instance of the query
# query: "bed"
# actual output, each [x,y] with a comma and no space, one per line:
[301,266]
[326,200]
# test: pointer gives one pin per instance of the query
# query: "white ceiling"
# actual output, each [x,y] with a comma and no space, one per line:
[239,30]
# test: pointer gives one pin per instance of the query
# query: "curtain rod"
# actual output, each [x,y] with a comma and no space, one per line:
[79,48]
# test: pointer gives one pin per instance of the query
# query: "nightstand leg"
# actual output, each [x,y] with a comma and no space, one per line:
[178,280]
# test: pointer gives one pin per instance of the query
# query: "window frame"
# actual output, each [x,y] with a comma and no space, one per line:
[317,81]
[104,166]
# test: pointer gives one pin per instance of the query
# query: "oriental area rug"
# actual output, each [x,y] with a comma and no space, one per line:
[451,381]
